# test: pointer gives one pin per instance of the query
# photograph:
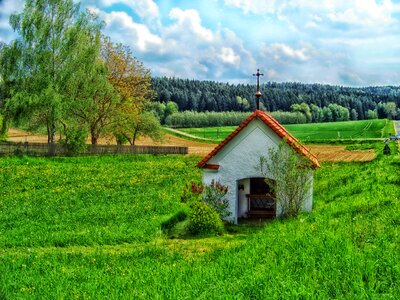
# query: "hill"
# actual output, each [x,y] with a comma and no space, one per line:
[216,96]
[89,227]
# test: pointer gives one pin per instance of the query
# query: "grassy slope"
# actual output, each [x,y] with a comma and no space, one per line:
[88,200]
[52,247]
[314,132]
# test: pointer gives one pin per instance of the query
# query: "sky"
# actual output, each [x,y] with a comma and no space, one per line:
[340,42]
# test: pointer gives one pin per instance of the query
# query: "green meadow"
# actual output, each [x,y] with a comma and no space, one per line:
[313,132]
[89,228]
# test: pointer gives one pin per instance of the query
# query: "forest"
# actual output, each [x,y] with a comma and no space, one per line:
[200,96]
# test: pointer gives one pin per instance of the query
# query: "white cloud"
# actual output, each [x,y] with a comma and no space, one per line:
[189,21]
[254,6]
[363,12]
[124,30]
[7,7]
[272,74]
[369,41]
[228,56]
[146,9]
[184,48]
[284,53]
[356,12]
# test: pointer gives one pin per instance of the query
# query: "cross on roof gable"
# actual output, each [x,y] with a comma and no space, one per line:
[276,127]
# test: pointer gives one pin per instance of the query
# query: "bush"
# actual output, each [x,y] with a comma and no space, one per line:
[292,175]
[214,195]
[204,220]
[74,141]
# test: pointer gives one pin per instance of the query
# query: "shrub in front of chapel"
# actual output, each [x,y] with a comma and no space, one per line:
[203,219]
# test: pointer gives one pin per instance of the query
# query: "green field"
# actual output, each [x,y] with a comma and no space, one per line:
[367,129]
[89,228]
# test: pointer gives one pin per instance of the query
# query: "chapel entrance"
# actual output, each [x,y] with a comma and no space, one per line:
[258,199]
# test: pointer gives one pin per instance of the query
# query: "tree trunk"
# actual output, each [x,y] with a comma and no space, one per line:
[135,132]
[51,132]
[4,127]
[94,137]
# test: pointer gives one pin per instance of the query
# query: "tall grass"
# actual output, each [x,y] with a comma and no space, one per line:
[88,201]
[347,248]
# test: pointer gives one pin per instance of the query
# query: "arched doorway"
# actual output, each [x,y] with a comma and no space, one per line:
[255,199]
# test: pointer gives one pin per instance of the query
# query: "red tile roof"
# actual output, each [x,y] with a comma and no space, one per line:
[276,127]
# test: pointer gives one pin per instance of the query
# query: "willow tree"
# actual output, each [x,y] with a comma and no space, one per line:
[91,102]
[48,32]
[7,84]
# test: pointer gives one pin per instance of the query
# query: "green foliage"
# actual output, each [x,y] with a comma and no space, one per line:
[93,101]
[304,109]
[189,119]
[285,117]
[203,219]
[390,109]
[192,192]
[339,113]
[74,140]
[45,56]
[372,114]
[243,103]
[121,139]
[146,124]
[131,80]
[163,110]
[3,128]
[214,195]
[202,96]
[60,71]
[290,176]
[353,115]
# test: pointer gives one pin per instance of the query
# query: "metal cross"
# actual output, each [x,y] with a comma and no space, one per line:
[258,93]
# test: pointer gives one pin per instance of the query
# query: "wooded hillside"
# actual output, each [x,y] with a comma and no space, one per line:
[216,96]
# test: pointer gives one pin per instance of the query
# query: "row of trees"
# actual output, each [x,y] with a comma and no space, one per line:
[216,96]
[299,114]
[61,73]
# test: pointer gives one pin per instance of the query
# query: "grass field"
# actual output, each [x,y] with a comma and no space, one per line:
[89,228]
[365,129]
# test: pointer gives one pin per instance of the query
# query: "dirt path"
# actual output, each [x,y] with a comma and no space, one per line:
[188,134]
[323,152]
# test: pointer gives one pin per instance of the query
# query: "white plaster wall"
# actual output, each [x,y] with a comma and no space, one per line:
[239,159]
[308,203]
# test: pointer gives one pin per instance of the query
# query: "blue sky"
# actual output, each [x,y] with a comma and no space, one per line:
[344,42]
